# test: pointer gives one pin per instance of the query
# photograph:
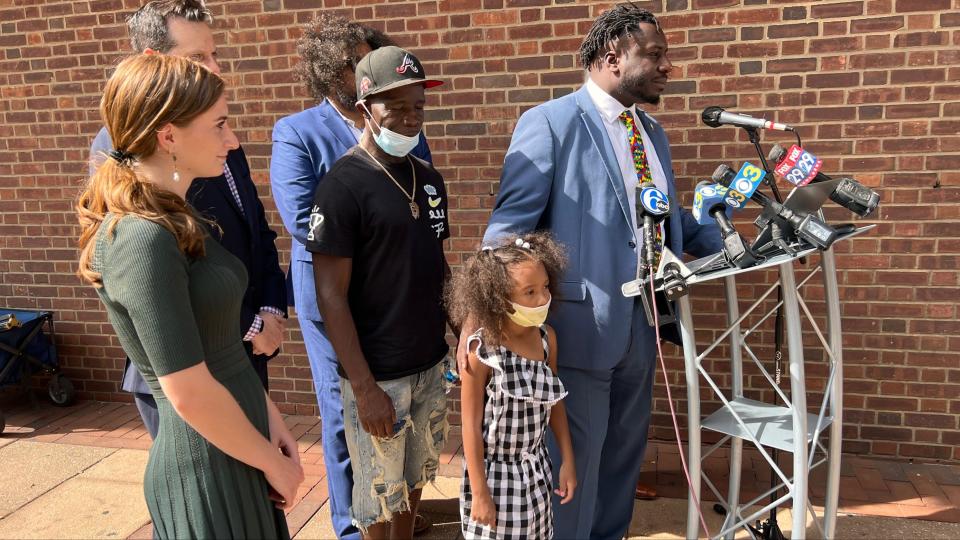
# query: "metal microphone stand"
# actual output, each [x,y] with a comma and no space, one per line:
[770,529]
[754,135]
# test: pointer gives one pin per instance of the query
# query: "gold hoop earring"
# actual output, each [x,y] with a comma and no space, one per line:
[176,172]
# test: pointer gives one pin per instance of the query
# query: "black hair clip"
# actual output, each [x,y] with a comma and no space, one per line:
[120,156]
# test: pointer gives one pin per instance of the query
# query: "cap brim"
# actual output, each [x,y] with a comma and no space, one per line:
[427,83]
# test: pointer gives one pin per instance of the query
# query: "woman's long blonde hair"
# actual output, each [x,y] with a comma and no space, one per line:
[144,94]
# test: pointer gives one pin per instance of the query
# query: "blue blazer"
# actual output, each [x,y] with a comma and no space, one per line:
[305,147]
[560,174]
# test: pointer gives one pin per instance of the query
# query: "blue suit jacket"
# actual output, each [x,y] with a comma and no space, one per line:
[246,235]
[305,147]
[560,174]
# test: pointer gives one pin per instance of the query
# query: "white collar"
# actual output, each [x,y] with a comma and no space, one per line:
[346,120]
[608,107]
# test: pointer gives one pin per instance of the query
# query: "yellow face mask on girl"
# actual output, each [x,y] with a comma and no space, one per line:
[527,316]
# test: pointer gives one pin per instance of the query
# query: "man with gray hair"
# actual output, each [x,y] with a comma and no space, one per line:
[183,28]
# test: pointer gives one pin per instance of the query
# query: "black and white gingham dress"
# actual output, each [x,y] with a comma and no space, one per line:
[516,414]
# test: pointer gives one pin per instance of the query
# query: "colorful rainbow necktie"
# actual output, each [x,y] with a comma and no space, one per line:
[643,171]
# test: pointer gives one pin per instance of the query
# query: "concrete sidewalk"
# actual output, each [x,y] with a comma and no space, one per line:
[77,473]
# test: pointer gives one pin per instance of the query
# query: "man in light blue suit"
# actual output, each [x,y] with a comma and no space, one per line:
[572,168]
[305,146]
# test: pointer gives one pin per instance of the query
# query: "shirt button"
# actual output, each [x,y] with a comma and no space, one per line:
[632,244]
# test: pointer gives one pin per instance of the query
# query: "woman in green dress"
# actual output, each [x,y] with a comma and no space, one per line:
[223,464]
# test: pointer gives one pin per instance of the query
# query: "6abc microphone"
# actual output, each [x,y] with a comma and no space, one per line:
[653,206]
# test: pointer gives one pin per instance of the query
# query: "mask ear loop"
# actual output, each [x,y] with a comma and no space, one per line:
[369,116]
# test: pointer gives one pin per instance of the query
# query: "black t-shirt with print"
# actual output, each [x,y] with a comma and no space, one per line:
[396,285]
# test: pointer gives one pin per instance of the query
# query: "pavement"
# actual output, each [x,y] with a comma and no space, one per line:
[77,472]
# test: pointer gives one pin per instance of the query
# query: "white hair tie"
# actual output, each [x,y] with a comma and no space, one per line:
[521,244]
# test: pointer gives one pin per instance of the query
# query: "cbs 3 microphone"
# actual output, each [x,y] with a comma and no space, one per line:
[714,203]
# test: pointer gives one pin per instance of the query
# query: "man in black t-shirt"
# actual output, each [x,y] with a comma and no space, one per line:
[376,233]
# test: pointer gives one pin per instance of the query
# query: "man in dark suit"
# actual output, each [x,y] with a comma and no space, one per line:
[182,28]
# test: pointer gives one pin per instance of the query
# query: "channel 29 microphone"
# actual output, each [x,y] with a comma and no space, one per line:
[806,226]
[800,167]
[714,203]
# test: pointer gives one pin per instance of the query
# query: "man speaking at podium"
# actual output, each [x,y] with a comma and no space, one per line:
[572,168]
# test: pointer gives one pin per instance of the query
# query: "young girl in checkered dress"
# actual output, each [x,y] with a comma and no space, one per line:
[510,391]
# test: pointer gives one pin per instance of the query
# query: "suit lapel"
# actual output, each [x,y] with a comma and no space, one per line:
[247,214]
[334,121]
[591,119]
[224,188]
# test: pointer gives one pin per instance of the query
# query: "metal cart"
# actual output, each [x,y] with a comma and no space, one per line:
[25,349]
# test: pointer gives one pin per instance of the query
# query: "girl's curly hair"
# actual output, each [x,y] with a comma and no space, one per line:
[481,287]
[327,47]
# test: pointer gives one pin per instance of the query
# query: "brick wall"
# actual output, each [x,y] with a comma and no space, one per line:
[872,84]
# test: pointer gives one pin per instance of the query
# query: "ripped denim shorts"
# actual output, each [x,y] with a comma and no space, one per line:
[385,471]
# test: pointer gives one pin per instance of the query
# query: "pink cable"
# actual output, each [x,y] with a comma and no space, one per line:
[673,414]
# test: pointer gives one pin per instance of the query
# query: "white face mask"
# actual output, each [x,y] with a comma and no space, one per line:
[528,316]
[391,142]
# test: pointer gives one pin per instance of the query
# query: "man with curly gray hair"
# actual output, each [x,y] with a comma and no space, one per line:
[305,146]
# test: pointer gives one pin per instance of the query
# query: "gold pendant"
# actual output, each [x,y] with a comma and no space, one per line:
[414,210]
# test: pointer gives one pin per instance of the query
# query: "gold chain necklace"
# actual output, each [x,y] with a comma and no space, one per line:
[414,208]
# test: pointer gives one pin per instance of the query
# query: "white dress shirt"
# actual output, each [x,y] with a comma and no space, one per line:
[610,110]
[357,133]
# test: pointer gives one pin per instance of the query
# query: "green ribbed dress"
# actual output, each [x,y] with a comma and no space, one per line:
[171,313]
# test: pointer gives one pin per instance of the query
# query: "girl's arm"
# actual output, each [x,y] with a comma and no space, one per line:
[472,384]
[561,431]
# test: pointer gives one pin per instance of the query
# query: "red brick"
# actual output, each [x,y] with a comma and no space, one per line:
[791,65]
[838,44]
[924,110]
[844,9]
[793,30]
[903,6]
[876,24]
[568,12]
[754,16]
[950,19]
[712,35]
[833,80]
[921,39]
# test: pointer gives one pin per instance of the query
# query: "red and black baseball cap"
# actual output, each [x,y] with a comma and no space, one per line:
[387,68]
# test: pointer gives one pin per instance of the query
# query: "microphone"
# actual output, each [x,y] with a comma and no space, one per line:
[800,168]
[652,206]
[710,203]
[716,117]
[807,227]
